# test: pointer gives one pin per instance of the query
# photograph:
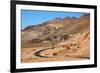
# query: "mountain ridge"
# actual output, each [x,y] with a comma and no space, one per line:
[57,28]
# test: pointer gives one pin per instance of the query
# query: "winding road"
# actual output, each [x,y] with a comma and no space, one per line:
[39,55]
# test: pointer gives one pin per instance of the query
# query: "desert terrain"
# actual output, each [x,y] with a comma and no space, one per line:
[57,40]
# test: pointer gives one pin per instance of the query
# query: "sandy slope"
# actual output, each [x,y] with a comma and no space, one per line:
[76,48]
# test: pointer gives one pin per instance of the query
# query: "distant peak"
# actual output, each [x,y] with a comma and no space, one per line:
[58,18]
[85,15]
[28,27]
[70,18]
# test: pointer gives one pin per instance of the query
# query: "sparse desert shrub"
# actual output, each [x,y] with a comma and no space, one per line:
[68,47]
[78,46]
[53,47]
[54,54]
[36,41]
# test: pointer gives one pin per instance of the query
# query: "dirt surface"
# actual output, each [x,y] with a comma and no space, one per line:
[75,48]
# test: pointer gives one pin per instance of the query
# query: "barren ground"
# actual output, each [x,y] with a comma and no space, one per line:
[75,48]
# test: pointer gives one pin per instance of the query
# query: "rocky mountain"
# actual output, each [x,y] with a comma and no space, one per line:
[58,29]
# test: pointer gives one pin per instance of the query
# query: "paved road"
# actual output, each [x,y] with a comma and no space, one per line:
[39,55]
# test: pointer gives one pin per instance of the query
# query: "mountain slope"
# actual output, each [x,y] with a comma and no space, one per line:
[55,30]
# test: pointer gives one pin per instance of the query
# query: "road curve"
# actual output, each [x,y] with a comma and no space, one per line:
[39,55]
